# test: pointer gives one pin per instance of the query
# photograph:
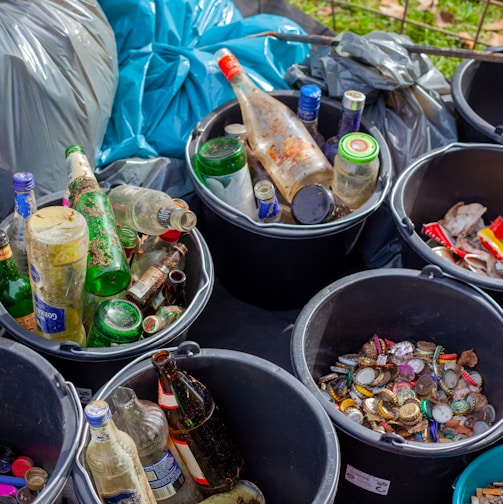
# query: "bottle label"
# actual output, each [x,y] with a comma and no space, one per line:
[78,166]
[230,66]
[23,204]
[49,318]
[165,399]
[5,253]
[164,476]
[142,287]
[121,497]
[27,321]
[190,461]
[269,209]
[158,300]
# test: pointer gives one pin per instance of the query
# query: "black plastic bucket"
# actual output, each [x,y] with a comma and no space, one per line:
[279,266]
[399,304]
[90,368]
[288,443]
[472,173]
[476,92]
[40,415]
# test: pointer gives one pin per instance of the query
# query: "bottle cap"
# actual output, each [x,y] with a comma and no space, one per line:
[96,412]
[23,181]
[353,100]
[309,102]
[358,148]
[221,156]
[25,496]
[236,130]
[21,465]
[36,478]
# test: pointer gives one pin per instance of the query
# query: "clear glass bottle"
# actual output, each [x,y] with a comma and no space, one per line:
[149,285]
[129,239]
[107,266]
[164,316]
[149,211]
[356,167]
[25,205]
[57,243]
[223,166]
[308,110]
[146,423]
[269,208]
[196,427]
[276,134]
[112,458]
[353,103]
[315,204]
[244,492]
[15,289]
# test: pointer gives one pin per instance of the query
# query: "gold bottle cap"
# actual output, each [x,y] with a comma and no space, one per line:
[409,412]
[36,478]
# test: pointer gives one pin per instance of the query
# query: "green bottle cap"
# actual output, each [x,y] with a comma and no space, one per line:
[358,148]
[221,156]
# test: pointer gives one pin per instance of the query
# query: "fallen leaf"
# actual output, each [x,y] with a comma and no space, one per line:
[391,8]
[494,26]
[443,19]
[427,5]
[467,41]
[496,40]
[327,11]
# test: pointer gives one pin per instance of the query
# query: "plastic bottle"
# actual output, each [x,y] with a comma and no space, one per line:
[149,211]
[15,289]
[308,110]
[57,243]
[353,103]
[356,167]
[146,423]
[112,458]
[277,136]
[269,208]
[107,266]
[222,164]
[196,427]
[24,206]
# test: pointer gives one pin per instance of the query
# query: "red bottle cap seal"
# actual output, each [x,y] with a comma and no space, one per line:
[21,465]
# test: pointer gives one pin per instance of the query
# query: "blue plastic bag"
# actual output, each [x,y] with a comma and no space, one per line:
[168,79]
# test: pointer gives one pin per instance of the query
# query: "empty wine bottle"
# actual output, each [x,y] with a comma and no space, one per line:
[196,427]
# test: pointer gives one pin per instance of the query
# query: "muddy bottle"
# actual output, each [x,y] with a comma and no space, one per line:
[146,423]
[196,427]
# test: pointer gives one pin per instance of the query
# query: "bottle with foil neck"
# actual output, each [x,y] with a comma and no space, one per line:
[15,289]
[196,427]
[269,208]
[149,211]
[25,205]
[113,460]
[353,103]
[308,110]
[277,136]
[146,423]
[107,266]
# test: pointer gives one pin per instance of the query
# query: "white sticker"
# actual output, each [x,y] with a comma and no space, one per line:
[366,481]
[85,394]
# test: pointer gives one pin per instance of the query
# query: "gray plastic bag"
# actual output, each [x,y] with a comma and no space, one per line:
[57,85]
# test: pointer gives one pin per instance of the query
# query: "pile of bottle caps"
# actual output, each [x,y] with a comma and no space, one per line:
[419,391]
[492,493]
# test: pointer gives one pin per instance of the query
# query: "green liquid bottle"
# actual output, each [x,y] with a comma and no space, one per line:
[15,289]
[107,266]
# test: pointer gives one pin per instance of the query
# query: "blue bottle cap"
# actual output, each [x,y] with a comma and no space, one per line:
[309,102]
[97,412]
[23,181]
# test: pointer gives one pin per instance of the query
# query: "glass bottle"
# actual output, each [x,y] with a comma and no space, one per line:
[244,492]
[223,166]
[143,292]
[146,423]
[356,167]
[112,458]
[57,243]
[149,211]
[15,289]
[308,110]
[115,322]
[164,316]
[353,103]
[129,239]
[24,206]
[276,134]
[196,427]
[174,289]
[107,266]
[269,208]
[315,204]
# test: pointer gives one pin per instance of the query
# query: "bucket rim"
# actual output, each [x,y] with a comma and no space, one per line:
[288,231]
[406,226]
[388,442]
[462,105]
[192,350]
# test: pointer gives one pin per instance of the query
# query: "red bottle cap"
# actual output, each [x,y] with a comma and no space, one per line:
[21,465]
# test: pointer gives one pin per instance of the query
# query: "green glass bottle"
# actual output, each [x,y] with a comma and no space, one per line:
[15,289]
[107,266]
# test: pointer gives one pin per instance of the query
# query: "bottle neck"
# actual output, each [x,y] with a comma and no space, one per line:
[104,433]
[8,267]
[79,169]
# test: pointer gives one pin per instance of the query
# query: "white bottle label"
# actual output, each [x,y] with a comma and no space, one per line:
[164,476]
[164,399]
[190,462]
[366,481]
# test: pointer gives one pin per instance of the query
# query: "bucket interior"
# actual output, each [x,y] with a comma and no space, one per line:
[288,444]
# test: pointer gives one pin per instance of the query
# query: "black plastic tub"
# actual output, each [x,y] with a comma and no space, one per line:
[280,266]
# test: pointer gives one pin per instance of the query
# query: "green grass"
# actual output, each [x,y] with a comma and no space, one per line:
[466,15]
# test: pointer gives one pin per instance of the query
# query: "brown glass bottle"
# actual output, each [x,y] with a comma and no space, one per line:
[196,427]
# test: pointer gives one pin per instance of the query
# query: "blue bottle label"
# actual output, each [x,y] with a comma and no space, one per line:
[164,476]
[49,318]
[23,204]
[121,497]
[267,210]
[34,274]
